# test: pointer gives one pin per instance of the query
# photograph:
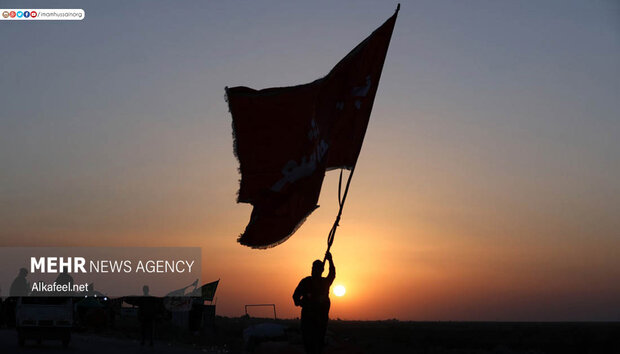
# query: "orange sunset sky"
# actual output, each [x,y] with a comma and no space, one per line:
[487,187]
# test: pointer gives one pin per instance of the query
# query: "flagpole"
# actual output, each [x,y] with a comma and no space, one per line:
[332,232]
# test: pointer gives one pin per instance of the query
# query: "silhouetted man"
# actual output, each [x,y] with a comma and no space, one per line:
[312,294]
[2,310]
[64,278]
[147,310]
[20,286]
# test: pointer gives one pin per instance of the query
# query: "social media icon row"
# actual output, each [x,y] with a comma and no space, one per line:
[19,14]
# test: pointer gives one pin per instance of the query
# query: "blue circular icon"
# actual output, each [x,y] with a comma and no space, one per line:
[26,14]
[20,14]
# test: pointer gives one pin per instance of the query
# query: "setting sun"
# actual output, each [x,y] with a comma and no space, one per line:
[339,290]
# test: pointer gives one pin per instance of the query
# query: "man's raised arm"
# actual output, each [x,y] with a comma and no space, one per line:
[332,269]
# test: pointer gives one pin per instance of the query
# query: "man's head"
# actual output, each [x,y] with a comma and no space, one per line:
[23,272]
[317,268]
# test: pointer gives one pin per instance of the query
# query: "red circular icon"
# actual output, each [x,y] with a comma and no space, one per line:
[12,14]
[33,14]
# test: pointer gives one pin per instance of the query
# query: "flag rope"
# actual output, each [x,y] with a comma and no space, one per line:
[341,200]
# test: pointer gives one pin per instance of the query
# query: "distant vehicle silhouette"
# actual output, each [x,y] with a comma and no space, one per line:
[42,318]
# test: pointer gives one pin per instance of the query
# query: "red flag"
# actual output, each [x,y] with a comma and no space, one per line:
[286,138]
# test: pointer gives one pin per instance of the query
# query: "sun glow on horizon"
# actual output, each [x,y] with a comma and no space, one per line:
[339,290]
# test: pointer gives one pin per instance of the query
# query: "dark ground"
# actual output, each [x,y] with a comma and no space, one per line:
[419,337]
[357,337]
[481,337]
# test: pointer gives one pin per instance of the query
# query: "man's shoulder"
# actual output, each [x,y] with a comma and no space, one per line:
[305,281]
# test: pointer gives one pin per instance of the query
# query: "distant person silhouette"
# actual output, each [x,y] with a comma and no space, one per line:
[20,286]
[65,279]
[147,310]
[1,310]
[312,294]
